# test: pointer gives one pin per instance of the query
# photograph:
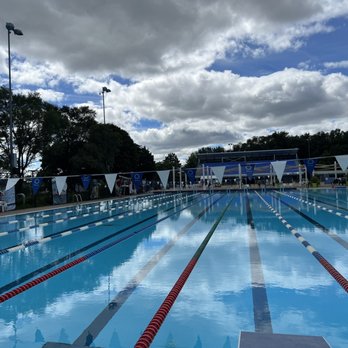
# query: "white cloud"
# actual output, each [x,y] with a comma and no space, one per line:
[335,65]
[164,48]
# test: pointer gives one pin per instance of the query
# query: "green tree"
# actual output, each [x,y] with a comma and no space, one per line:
[29,112]
[192,161]
[170,161]
[72,132]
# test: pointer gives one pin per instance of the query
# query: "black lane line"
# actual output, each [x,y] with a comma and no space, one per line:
[79,251]
[92,331]
[262,315]
[324,229]
[313,198]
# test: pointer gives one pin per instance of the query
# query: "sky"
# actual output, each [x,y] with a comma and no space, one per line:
[186,74]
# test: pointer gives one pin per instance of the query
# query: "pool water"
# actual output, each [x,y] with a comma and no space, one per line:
[96,274]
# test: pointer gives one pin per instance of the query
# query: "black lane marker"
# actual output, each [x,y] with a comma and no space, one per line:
[92,331]
[158,319]
[79,251]
[324,229]
[262,315]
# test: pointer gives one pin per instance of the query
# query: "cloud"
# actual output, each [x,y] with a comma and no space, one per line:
[140,40]
[70,50]
[220,108]
[335,65]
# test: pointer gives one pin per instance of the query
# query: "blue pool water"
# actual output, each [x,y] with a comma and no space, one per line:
[254,274]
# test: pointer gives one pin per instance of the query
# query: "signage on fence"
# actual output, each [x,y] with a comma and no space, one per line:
[35,185]
[137,179]
[310,165]
[191,175]
[249,170]
[86,179]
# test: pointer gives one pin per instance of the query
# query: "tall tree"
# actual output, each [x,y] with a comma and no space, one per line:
[71,134]
[170,161]
[28,136]
[192,161]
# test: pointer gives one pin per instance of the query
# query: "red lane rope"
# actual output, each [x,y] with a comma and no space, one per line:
[156,322]
[39,280]
[334,273]
[151,331]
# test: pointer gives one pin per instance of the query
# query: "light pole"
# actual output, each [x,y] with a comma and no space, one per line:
[104,90]
[11,28]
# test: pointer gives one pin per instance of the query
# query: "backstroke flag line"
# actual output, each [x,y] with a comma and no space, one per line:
[110,180]
[163,175]
[60,182]
[279,167]
[10,183]
[342,161]
[219,172]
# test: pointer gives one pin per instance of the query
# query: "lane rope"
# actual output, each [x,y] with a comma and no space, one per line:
[341,280]
[92,331]
[156,322]
[6,296]
[331,211]
[112,207]
[83,227]
[324,229]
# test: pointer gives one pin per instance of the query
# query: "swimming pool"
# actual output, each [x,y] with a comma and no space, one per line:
[96,274]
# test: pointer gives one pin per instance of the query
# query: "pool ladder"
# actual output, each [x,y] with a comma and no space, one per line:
[77,197]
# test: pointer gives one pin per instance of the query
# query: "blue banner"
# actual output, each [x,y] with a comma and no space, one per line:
[35,184]
[249,170]
[86,179]
[310,165]
[137,179]
[191,175]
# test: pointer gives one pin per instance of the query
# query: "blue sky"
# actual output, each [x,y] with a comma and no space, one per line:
[315,51]
[184,75]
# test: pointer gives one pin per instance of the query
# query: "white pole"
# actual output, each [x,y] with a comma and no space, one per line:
[335,166]
[180,178]
[173,178]
[203,176]
[240,175]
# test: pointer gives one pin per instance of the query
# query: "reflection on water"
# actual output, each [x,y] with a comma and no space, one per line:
[215,303]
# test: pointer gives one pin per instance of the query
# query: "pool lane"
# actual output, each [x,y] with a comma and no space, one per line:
[131,227]
[87,285]
[341,280]
[303,297]
[216,302]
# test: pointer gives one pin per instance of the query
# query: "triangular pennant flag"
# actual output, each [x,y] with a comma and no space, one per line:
[219,172]
[163,175]
[342,161]
[60,182]
[110,180]
[10,183]
[279,167]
